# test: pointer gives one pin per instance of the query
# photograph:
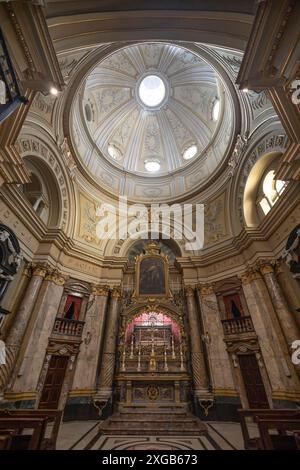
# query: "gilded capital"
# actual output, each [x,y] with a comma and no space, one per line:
[100,290]
[250,276]
[56,277]
[28,270]
[265,266]
[40,269]
[116,292]
[189,291]
[205,289]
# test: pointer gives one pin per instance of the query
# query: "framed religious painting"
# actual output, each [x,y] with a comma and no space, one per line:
[152,276]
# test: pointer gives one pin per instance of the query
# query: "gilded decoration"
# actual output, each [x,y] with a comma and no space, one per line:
[266,267]
[40,269]
[116,292]
[100,290]
[205,289]
[250,276]
[56,277]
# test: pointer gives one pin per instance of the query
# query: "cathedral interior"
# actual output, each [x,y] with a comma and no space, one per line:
[122,337]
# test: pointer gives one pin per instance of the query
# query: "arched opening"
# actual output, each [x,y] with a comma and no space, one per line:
[42,191]
[262,190]
[153,342]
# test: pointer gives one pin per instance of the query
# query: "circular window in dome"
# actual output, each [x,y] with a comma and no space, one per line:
[114,152]
[152,165]
[190,152]
[152,91]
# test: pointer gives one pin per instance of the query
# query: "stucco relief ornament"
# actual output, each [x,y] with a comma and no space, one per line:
[68,157]
[291,255]
[240,146]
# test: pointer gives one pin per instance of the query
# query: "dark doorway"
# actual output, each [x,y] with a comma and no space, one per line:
[254,386]
[53,382]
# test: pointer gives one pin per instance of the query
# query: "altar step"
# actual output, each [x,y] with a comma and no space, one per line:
[153,423]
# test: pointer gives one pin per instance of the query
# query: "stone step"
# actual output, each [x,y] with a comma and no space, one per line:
[153,432]
[155,422]
[133,415]
[161,421]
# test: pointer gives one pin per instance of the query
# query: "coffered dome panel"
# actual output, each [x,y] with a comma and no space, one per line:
[146,115]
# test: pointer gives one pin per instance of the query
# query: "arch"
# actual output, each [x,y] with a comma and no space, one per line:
[137,310]
[42,191]
[253,183]
[274,142]
[197,26]
[45,155]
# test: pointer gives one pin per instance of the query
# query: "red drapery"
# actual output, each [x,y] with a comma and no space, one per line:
[230,301]
[76,306]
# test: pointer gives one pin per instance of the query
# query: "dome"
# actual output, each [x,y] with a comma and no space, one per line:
[152,119]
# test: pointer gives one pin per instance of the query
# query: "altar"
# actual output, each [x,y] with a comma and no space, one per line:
[152,363]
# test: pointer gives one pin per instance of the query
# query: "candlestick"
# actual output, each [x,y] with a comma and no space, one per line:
[181,358]
[123,368]
[173,350]
[139,359]
[131,349]
[166,360]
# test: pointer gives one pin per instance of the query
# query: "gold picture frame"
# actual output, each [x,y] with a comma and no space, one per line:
[152,276]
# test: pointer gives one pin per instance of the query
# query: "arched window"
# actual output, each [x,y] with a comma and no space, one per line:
[41,191]
[270,191]
[262,189]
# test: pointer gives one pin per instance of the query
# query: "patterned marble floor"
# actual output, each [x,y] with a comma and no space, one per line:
[79,435]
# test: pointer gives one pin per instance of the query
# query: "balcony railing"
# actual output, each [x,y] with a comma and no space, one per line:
[235,326]
[64,326]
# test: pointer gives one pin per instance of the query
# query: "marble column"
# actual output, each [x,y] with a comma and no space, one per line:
[41,325]
[107,363]
[272,344]
[221,374]
[200,378]
[87,362]
[17,331]
[286,320]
